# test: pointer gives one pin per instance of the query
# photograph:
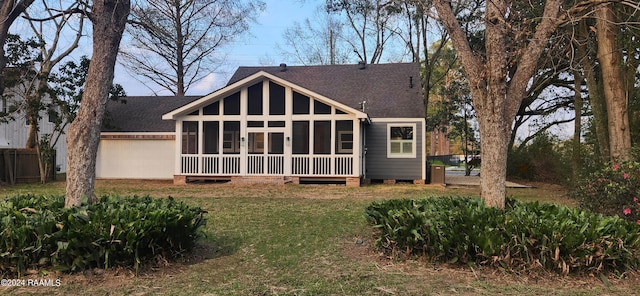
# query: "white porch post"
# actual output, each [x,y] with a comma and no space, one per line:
[288,131]
[333,135]
[357,148]
[200,143]
[178,145]
[244,95]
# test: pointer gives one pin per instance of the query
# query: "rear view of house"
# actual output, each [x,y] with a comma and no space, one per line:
[286,123]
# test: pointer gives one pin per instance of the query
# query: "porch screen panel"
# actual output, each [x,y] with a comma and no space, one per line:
[255,143]
[276,143]
[211,109]
[189,137]
[322,137]
[254,104]
[344,136]
[231,137]
[300,103]
[211,137]
[300,140]
[276,99]
[321,108]
[232,104]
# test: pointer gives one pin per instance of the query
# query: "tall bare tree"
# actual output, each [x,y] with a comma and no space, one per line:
[173,42]
[316,41]
[108,18]
[52,51]
[373,23]
[499,76]
[10,10]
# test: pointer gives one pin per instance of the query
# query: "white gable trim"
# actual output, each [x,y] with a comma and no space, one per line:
[237,86]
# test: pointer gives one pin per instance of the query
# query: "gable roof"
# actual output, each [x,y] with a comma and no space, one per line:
[143,114]
[386,88]
[250,80]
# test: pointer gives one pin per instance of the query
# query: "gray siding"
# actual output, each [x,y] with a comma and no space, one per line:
[378,166]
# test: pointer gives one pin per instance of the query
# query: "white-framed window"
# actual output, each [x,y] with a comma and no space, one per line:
[345,141]
[401,140]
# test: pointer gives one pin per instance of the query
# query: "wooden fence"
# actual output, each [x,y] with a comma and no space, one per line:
[21,166]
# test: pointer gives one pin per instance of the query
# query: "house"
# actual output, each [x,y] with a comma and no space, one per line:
[14,128]
[283,123]
[135,143]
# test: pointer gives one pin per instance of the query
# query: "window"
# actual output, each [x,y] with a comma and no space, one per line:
[254,104]
[300,141]
[276,143]
[231,137]
[321,108]
[232,104]
[276,99]
[276,123]
[256,143]
[255,123]
[53,115]
[344,136]
[211,137]
[212,109]
[300,103]
[322,137]
[189,137]
[401,141]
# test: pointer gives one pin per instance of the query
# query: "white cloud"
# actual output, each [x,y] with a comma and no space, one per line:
[208,84]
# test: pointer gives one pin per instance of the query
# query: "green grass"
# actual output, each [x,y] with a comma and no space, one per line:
[301,240]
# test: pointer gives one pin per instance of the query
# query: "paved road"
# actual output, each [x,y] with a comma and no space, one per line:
[457,177]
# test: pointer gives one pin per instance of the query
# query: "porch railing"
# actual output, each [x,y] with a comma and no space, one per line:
[299,165]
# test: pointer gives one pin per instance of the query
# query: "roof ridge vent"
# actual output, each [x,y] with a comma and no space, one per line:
[283,67]
[362,65]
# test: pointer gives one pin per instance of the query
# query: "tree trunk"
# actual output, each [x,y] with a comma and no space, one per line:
[496,98]
[109,18]
[610,59]
[594,86]
[576,160]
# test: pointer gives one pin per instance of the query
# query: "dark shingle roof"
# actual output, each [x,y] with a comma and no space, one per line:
[143,114]
[385,87]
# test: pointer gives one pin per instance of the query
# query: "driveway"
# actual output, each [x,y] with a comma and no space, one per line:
[457,177]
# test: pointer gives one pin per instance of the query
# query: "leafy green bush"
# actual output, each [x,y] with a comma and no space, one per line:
[540,160]
[613,189]
[36,231]
[524,236]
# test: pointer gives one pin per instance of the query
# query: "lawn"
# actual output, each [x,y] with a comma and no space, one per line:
[304,240]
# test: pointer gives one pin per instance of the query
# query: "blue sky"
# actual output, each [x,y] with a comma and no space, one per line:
[252,50]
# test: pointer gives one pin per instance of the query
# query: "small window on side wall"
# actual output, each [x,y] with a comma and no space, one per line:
[401,141]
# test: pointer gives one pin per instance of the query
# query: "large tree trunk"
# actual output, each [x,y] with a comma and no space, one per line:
[595,88]
[615,95]
[109,18]
[496,98]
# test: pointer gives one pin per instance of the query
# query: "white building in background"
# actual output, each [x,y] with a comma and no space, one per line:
[14,133]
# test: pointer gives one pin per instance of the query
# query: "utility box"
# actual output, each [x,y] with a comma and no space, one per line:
[437,174]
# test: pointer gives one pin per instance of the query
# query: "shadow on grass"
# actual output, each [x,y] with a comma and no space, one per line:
[212,247]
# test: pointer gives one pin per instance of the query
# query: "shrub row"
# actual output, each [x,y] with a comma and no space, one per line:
[523,237]
[38,232]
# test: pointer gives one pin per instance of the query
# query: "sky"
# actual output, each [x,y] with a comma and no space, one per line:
[252,50]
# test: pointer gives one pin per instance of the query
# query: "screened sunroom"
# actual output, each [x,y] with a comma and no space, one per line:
[265,126]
